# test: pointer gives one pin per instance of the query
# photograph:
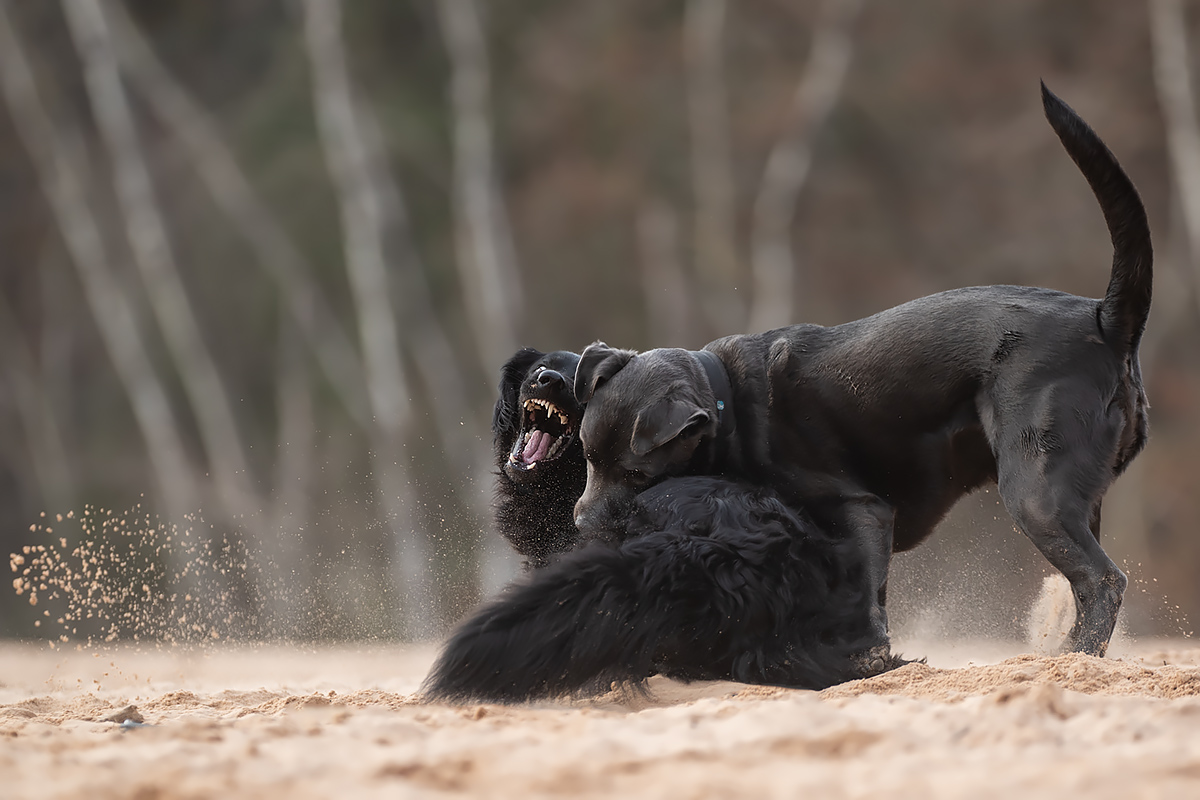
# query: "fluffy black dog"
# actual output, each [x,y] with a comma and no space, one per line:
[878,426]
[713,580]
[540,469]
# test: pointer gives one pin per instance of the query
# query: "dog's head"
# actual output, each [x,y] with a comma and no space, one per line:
[536,420]
[646,415]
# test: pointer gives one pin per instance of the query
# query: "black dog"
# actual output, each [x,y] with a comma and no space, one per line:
[540,466]
[713,581]
[878,426]
[703,579]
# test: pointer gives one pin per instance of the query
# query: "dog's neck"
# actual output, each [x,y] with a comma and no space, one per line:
[718,379]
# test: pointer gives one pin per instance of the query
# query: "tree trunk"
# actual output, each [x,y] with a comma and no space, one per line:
[360,201]
[716,258]
[774,267]
[226,182]
[151,247]
[61,178]
[667,293]
[491,284]
[1176,99]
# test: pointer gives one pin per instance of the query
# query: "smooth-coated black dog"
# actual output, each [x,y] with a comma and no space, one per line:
[710,580]
[704,579]
[877,427]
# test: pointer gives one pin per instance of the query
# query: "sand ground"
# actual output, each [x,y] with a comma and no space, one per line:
[980,720]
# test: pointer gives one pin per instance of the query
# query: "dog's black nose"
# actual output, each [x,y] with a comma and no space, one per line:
[550,377]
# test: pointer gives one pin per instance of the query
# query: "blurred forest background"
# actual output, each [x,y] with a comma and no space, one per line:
[263,259]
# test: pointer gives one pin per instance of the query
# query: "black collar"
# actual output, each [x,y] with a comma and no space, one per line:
[722,389]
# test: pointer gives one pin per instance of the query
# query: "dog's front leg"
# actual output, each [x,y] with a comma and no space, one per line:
[873,521]
[870,521]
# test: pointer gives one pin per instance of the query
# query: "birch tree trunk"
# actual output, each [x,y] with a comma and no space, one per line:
[716,256]
[151,247]
[231,191]
[61,178]
[439,367]
[1176,99]
[491,283]
[787,168]
[361,205]
[666,289]
[461,428]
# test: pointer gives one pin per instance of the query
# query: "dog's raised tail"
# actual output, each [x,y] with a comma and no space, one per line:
[1126,303]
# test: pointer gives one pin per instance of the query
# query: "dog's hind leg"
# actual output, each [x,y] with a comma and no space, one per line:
[1053,494]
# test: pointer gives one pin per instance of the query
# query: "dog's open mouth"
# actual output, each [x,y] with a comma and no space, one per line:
[546,432]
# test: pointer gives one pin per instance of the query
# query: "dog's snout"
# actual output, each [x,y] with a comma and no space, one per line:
[604,510]
[550,377]
[591,517]
[585,518]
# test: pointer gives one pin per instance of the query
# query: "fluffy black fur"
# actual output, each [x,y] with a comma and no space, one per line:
[713,580]
[534,501]
[876,427]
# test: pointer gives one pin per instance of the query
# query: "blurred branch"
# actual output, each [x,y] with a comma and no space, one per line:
[148,238]
[491,283]
[663,280]
[1176,99]
[360,199]
[712,173]
[61,179]
[215,165]
[788,165]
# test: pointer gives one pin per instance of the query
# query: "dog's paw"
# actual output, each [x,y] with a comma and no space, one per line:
[877,660]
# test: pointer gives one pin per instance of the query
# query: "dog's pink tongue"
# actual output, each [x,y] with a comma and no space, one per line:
[537,447]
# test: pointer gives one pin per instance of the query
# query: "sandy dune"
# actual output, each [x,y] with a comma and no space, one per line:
[293,723]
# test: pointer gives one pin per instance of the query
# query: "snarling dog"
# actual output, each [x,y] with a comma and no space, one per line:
[705,580]
[878,426]
[702,578]
[540,469]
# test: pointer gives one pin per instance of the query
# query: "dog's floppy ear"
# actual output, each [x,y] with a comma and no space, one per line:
[505,416]
[598,363]
[667,421]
